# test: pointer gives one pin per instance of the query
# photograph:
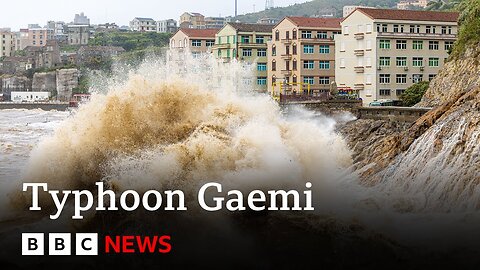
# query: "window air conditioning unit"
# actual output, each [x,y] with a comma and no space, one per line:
[379,68]
[422,68]
[405,68]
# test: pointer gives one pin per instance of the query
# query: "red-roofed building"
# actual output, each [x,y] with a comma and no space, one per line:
[302,55]
[196,40]
[381,52]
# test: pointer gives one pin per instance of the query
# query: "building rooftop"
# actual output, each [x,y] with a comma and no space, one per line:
[144,19]
[252,27]
[316,22]
[101,49]
[199,33]
[409,15]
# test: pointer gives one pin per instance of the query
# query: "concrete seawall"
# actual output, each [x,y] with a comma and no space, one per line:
[33,106]
[399,114]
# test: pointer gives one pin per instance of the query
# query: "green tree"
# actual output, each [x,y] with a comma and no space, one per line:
[414,93]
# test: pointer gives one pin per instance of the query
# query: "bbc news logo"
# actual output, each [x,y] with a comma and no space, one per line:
[86,244]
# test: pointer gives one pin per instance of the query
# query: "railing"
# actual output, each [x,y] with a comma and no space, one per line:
[417,35]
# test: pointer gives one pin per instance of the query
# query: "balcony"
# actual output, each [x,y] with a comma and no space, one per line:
[359,69]
[287,41]
[359,52]
[416,35]
[223,46]
[359,36]
[287,72]
[359,86]
[252,45]
[286,56]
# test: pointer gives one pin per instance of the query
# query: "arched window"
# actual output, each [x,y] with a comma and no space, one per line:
[274,65]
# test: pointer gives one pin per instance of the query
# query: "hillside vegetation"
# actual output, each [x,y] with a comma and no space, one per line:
[312,8]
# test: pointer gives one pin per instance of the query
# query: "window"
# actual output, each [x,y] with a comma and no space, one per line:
[310,64]
[395,28]
[384,61]
[210,43]
[417,45]
[418,61]
[401,45]
[345,30]
[294,64]
[444,30]
[262,81]
[433,45]
[274,66]
[324,65]
[324,80]
[287,35]
[262,53]
[274,51]
[368,45]
[449,30]
[306,34]
[431,77]
[401,61]
[247,52]
[448,45]
[324,49]
[196,55]
[400,92]
[401,78]
[274,79]
[384,92]
[245,39]
[309,80]
[384,44]
[260,40]
[261,66]
[384,28]
[308,49]
[368,79]
[433,62]
[287,65]
[294,49]
[342,62]
[294,79]
[428,29]
[196,43]
[322,35]
[416,78]
[219,40]
[294,34]
[369,28]
[384,78]
[342,46]
[277,35]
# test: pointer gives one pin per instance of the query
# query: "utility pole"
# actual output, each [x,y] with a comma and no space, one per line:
[236,8]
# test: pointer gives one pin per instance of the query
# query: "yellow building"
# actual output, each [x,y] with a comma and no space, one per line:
[302,53]
[7,43]
[247,43]
[382,52]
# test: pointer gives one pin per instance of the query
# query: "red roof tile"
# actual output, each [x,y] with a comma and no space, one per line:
[200,33]
[316,22]
[410,15]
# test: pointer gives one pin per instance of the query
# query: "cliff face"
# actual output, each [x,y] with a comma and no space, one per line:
[67,80]
[436,160]
[44,81]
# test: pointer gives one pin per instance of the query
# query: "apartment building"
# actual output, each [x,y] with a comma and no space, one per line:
[215,22]
[167,26]
[411,4]
[78,34]
[248,43]
[39,36]
[382,52]
[192,20]
[198,41]
[7,43]
[143,25]
[302,55]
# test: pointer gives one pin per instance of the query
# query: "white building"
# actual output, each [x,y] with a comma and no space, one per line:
[143,25]
[81,19]
[30,96]
[382,52]
[349,9]
[167,26]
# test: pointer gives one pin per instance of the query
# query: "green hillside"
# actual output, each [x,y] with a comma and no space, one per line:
[313,8]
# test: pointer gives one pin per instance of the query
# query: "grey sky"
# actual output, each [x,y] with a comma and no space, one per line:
[22,12]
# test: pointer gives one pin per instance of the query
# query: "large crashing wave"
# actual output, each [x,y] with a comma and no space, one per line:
[182,123]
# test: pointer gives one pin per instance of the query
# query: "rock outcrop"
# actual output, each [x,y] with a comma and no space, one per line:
[67,80]
[44,82]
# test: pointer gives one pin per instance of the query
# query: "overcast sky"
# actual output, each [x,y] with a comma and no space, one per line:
[18,14]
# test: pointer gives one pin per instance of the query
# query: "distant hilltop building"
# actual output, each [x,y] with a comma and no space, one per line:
[81,19]
[409,4]
[192,20]
[272,21]
[7,40]
[140,24]
[167,26]
[215,22]
[349,9]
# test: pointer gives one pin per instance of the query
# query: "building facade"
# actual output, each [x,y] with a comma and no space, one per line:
[167,26]
[7,43]
[247,43]
[143,25]
[197,41]
[39,36]
[215,22]
[81,19]
[383,52]
[192,20]
[302,55]
[411,4]
[78,34]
